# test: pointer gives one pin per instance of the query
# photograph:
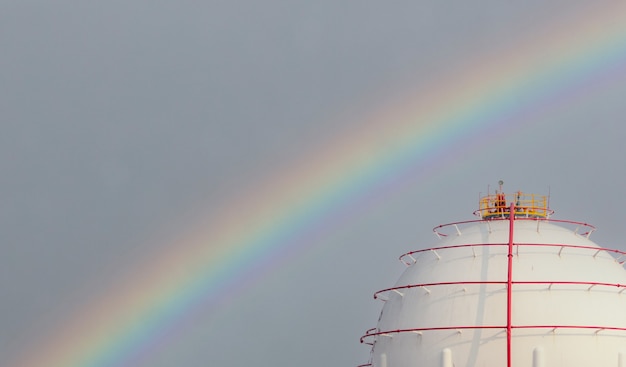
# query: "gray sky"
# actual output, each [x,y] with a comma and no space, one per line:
[125,121]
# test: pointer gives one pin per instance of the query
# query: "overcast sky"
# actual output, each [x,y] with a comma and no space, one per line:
[128,121]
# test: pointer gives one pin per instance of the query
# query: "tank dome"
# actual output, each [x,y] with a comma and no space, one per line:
[514,288]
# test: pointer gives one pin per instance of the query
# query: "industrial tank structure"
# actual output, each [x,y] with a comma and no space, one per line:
[514,288]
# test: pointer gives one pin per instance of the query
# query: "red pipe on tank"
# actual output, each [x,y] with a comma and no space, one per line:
[509,286]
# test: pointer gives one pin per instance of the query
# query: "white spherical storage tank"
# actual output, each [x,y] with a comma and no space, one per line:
[514,288]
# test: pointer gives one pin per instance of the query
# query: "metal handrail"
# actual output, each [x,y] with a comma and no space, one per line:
[559,245]
[590,228]
[528,205]
[598,328]
[377,295]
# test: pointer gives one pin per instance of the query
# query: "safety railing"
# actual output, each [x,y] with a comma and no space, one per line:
[408,259]
[526,206]
[457,227]
[550,283]
[368,337]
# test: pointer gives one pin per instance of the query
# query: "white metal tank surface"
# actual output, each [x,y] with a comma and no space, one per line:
[515,290]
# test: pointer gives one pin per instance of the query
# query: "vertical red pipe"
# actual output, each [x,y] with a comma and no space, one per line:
[509,286]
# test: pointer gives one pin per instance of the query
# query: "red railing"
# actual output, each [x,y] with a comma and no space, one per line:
[378,294]
[590,228]
[598,328]
[562,246]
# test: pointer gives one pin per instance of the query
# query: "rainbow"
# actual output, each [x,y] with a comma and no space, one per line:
[210,262]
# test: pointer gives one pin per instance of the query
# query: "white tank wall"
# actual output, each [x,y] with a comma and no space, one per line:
[486,304]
